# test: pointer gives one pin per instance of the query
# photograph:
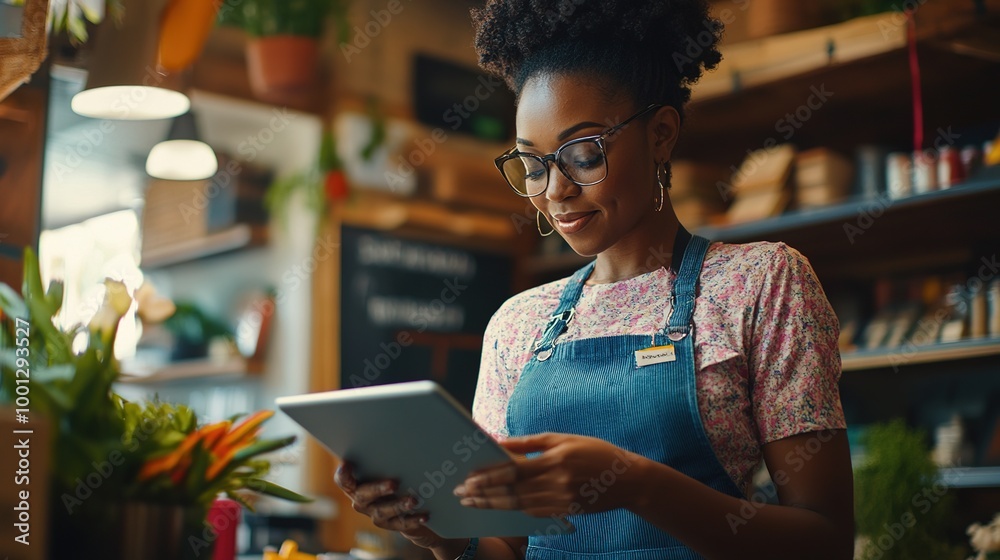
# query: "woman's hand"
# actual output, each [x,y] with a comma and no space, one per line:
[574,474]
[379,501]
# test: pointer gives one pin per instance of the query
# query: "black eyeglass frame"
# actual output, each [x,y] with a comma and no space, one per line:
[599,139]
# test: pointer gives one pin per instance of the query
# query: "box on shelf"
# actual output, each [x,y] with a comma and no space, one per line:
[761,184]
[822,177]
[697,192]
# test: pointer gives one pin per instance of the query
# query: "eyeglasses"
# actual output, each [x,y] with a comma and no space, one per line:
[583,161]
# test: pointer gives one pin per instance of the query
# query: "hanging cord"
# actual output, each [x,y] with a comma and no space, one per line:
[918,102]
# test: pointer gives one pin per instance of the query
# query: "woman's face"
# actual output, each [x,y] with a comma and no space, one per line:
[554,109]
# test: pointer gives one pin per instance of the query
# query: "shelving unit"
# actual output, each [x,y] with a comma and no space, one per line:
[240,236]
[870,237]
[971,477]
[867,91]
[898,357]
[232,368]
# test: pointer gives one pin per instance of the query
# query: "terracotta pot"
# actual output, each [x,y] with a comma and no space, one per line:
[282,64]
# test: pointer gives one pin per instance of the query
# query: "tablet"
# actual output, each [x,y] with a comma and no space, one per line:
[421,436]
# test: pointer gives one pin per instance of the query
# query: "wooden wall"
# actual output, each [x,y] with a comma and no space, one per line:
[22,143]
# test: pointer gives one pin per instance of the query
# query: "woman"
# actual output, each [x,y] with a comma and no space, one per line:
[649,386]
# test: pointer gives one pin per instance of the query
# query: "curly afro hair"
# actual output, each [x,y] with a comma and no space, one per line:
[651,50]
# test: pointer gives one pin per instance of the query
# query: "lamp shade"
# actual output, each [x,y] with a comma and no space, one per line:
[131,102]
[182,160]
[124,78]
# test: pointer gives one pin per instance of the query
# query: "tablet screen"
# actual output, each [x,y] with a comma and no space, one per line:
[419,435]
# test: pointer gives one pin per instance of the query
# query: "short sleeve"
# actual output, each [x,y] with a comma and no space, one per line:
[489,406]
[794,358]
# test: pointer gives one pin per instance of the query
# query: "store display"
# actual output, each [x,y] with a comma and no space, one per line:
[928,328]
[898,175]
[948,442]
[972,160]
[978,314]
[695,192]
[871,176]
[761,184]
[993,307]
[822,177]
[950,170]
[955,325]
[925,173]
[904,319]
[875,332]
[918,312]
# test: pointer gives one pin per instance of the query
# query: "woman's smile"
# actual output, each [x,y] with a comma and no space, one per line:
[572,222]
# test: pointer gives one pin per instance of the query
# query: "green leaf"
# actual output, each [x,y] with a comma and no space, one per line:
[91,15]
[54,296]
[196,472]
[32,286]
[272,489]
[76,28]
[11,302]
[263,446]
[239,499]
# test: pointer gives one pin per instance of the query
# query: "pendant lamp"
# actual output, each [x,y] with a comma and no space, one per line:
[125,81]
[182,157]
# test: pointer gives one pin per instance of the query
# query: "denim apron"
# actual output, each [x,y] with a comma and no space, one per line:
[593,387]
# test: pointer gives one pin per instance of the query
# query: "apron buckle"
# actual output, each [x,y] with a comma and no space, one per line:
[677,334]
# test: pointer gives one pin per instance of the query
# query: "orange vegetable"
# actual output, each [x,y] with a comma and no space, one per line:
[209,434]
[177,476]
[214,432]
[216,467]
[245,428]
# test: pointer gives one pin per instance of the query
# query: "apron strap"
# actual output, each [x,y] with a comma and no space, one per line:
[679,323]
[686,263]
[564,313]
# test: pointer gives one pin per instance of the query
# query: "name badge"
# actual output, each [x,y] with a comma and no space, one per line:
[654,355]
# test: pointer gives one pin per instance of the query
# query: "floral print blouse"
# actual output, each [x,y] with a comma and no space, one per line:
[766,356]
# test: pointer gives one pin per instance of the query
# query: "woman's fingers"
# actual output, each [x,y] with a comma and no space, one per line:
[497,476]
[344,477]
[369,492]
[387,509]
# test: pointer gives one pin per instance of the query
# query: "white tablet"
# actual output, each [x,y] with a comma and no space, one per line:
[419,435]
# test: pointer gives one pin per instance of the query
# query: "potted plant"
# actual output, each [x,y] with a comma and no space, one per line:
[901,506]
[321,185]
[128,480]
[283,51]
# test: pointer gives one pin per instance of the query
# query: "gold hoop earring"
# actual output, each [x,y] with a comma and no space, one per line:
[659,180]
[538,223]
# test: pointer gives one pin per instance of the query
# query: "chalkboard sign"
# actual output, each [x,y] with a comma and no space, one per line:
[414,310]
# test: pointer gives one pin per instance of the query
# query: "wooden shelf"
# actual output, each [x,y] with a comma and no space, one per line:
[944,352]
[862,239]
[235,367]
[739,110]
[839,213]
[971,477]
[240,236]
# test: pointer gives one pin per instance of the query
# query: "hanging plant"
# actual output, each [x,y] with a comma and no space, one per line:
[322,185]
[71,16]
